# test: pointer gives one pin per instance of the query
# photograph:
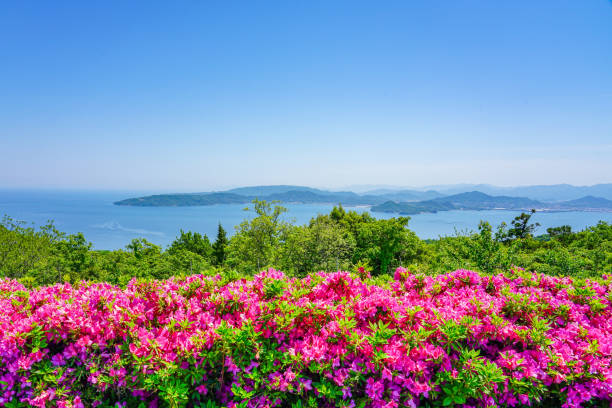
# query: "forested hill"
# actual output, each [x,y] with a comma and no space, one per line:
[283,193]
[293,196]
[185,200]
[400,201]
[547,193]
[390,201]
[476,200]
[589,202]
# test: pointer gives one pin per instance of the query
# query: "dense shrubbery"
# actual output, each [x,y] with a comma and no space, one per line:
[339,240]
[583,254]
[191,326]
[47,256]
[330,339]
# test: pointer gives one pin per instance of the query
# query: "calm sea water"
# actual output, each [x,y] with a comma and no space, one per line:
[109,226]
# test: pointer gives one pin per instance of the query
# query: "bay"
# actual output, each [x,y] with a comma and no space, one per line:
[109,226]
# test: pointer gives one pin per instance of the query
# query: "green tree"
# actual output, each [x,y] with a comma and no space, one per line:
[321,245]
[521,228]
[72,260]
[141,248]
[192,242]
[559,231]
[380,242]
[258,241]
[23,248]
[337,214]
[484,249]
[562,233]
[219,247]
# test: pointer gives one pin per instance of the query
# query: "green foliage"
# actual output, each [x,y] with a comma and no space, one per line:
[23,248]
[521,228]
[219,247]
[341,240]
[581,254]
[48,256]
[192,242]
[484,249]
[562,233]
[382,244]
[321,245]
[258,241]
[473,375]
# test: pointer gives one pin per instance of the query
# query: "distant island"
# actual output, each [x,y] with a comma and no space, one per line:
[401,201]
[476,200]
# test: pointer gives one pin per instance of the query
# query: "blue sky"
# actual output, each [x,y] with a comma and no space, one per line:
[198,95]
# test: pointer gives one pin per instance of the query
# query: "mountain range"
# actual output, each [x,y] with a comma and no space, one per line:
[546,193]
[403,201]
[477,200]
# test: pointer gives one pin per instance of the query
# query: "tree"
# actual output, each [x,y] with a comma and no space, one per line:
[147,260]
[321,245]
[562,233]
[380,242]
[141,248]
[219,247]
[73,258]
[521,228]
[483,249]
[192,242]
[257,242]
[22,248]
[337,213]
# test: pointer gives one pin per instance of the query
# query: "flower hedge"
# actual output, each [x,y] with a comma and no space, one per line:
[331,339]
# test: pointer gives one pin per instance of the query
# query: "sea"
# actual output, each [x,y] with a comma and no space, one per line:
[108,226]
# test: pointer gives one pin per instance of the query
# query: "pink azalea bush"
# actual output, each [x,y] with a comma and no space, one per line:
[331,339]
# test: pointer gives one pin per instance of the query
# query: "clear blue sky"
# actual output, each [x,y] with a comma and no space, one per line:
[198,95]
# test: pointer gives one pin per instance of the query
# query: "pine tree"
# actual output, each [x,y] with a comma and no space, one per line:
[218,256]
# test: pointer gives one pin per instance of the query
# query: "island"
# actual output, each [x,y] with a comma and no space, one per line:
[404,202]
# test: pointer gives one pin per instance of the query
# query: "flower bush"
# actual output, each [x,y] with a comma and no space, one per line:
[330,339]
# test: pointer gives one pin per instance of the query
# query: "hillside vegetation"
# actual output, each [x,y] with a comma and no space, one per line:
[340,240]
[198,325]
[476,200]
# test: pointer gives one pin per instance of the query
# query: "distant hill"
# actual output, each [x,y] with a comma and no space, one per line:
[588,202]
[279,193]
[473,200]
[405,201]
[476,200]
[185,200]
[562,192]
[267,190]
[545,193]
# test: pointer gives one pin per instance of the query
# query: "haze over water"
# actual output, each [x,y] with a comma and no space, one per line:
[109,226]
